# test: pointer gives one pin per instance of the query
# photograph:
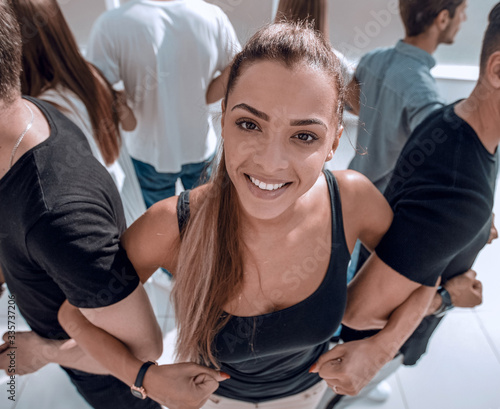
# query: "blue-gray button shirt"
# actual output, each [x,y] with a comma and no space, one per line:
[397,93]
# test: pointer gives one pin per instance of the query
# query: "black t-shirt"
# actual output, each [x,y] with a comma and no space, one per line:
[60,225]
[442,195]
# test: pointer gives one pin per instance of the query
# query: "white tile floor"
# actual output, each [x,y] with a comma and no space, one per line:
[460,371]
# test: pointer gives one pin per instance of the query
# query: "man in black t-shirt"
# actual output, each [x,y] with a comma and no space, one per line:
[60,225]
[442,193]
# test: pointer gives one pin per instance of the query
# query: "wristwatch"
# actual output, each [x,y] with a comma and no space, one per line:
[137,389]
[446,303]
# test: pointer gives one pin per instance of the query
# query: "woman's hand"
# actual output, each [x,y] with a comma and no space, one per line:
[347,368]
[182,386]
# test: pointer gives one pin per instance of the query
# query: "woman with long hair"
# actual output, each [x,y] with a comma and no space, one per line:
[55,71]
[259,254]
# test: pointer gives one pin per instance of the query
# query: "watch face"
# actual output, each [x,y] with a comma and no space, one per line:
[138,392]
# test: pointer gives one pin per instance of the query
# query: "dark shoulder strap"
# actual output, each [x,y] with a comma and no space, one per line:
[338,234]
[183,212]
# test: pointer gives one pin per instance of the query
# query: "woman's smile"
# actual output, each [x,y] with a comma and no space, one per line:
[266,189]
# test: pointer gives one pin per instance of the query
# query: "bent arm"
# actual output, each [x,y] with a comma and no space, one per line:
[98,344]
[34,352]
[127,118]
[132,321]
[178,386]
[217,88]
[374,293]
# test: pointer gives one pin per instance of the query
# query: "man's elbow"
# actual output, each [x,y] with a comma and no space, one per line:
[362,320]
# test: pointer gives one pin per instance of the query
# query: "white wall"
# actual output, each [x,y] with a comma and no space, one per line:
[356,27]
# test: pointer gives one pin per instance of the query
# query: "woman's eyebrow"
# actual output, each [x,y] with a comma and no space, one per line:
[305,122]
[252,110]
[265,117]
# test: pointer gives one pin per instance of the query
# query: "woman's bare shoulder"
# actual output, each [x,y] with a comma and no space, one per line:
[354,185]
[161,218]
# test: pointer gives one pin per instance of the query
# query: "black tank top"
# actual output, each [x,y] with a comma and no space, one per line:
[268,356]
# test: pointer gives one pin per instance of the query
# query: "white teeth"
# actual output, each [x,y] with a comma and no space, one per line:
[265,186]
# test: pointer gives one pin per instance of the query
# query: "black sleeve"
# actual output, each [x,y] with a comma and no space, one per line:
[431,226]
[78,245]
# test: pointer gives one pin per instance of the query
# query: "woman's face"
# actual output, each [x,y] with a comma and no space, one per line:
[279,127]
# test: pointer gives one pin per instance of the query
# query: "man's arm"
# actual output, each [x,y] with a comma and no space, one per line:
[131,320]
[217,88]
[465,290]
[33,352]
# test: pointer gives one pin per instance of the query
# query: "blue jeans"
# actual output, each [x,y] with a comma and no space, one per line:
[107,392]
[157,186]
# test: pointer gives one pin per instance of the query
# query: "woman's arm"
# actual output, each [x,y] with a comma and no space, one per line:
[183,386]
[366,214]
[350,366]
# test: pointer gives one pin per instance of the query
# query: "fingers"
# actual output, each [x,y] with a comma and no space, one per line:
[477,285]
[219,376]
[335,355]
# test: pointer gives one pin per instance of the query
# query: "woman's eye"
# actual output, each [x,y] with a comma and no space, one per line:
[247,125]
[306,137]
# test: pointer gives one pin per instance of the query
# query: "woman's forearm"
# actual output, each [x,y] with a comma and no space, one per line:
[102,347]
[405,319]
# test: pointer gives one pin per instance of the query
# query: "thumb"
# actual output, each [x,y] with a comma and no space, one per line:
[205,383]
[329,361]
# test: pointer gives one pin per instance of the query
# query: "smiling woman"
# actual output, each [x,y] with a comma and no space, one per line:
[259,254]
[272,152]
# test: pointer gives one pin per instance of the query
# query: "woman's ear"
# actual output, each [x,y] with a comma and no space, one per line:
[335,144]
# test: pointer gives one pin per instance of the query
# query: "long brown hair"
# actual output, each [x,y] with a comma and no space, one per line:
[209,271]
[51,57]
[10,55]
[313,11]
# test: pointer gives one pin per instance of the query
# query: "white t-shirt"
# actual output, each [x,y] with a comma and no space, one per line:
[166,53]
[122,170]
